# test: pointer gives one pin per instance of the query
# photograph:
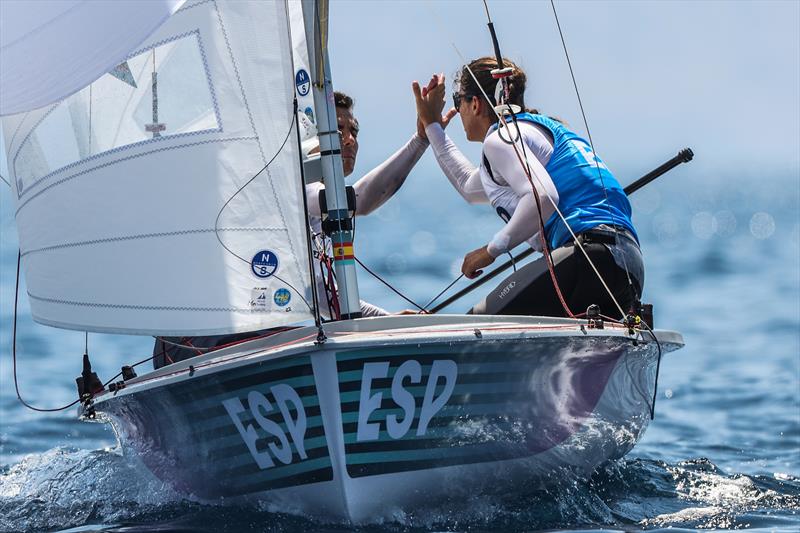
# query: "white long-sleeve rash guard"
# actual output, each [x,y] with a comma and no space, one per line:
[507,171]
[372,191]
[379,184]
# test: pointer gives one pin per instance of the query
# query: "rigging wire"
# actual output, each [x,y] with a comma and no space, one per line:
[610,211]
[427,305]
[5,180]
[658,369]
[397,292]
[501,123]
[589,134]
[309,242]
[14,355]
[422,309]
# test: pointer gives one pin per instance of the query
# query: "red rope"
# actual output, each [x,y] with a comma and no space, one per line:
[330,286]
[545,248]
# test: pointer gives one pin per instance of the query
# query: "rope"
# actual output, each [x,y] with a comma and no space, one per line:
[397,292]
[427,305]
[14,356]
[591,142]
[501,123]
[240,189]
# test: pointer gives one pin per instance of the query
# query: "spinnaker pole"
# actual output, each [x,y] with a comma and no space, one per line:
[315,16]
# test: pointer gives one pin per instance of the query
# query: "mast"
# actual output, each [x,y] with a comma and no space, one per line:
[315,14]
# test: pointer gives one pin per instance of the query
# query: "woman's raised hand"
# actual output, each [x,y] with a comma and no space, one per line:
[430,103]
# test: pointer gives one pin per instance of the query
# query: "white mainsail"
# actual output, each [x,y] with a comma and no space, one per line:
[307,119]
[135,206]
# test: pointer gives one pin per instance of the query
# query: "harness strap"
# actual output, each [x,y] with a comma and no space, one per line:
[488,168]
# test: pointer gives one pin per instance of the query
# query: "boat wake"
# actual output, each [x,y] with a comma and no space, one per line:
[64,487]
[103,490]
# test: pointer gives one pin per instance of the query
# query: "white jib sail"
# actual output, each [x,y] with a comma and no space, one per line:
[51,48]
[126,192]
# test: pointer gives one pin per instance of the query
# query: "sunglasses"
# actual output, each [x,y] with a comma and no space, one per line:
[458,98]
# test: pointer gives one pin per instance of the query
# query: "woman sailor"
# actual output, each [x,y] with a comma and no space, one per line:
[532,150]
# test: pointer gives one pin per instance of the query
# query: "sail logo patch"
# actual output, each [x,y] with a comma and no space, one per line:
[258,298]
[302,81]
[282,297]
[264,263]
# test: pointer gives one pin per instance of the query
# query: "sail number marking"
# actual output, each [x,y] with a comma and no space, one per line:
[444,371]
[259,407]
[441,376]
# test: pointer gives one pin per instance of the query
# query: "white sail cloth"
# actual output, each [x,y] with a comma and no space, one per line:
[118,188]
[51,48]
[306,114]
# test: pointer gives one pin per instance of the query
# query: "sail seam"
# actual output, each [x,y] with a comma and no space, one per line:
[258,139]
[133,156]
[187,6]
[239,81]
[149,307]
[219,129]
[143,236]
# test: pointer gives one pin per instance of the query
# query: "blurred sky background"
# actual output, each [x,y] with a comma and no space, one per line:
[720,76]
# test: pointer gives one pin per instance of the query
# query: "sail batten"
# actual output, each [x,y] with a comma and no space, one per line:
[166,197]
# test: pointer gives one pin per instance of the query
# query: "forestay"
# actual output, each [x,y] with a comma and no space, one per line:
[118,187]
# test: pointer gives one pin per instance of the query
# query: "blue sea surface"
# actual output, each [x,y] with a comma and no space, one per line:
[723,268]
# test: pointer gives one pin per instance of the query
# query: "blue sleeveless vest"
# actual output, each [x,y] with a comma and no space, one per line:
[579,176]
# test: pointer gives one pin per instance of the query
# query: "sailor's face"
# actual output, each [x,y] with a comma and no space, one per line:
[465,112]
[473,119]
[348,134]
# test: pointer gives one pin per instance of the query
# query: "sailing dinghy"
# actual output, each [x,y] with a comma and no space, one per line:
[166,197]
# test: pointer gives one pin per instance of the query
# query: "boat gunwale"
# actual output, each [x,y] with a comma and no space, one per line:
[364,333]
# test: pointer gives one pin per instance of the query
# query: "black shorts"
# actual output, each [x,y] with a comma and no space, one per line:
[530,291]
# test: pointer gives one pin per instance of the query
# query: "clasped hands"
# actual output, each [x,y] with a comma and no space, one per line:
[430,102]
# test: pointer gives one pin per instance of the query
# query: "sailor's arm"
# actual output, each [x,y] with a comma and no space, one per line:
[380,184]
[524,222]
[462,174]
[370,310]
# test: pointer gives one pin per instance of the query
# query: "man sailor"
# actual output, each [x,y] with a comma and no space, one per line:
[372,191]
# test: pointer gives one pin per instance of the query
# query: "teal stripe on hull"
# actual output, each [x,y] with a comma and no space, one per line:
[504,400]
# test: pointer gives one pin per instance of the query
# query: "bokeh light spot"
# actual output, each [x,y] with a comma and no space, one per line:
[704,225]
[762,225]
[726,223]
[396,263]
[423,244]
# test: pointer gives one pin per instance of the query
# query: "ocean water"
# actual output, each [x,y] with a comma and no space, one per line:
[723,268]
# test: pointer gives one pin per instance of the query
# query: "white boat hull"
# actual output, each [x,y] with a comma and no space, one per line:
[377,421]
